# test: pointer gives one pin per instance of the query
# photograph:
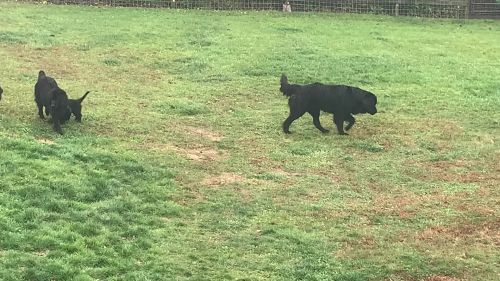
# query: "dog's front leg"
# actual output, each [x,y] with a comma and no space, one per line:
[57,125]
[351,121]
[316,122]
[339,122]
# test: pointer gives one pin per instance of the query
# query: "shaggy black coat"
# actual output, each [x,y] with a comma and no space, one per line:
[48,95]
[343,101]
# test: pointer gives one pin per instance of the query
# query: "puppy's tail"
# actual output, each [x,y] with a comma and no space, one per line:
[84,96]
[285,86]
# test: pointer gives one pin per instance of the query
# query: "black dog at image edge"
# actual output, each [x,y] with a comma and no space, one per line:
[343,101]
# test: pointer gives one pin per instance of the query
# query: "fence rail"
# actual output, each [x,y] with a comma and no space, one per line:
[418,8]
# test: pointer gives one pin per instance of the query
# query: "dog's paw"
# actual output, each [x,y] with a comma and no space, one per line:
[325,131]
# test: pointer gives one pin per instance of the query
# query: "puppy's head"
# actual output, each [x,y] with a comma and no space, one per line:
[283,83]
[369,102]
[66,114]
[59,100]
[41,74]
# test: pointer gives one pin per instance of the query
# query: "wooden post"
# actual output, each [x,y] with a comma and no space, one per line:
[396,11]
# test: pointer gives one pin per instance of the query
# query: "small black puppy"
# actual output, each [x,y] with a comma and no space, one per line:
[343,101]
[53,98]
[75,108]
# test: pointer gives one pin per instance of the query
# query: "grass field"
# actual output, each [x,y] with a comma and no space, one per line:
[180,170]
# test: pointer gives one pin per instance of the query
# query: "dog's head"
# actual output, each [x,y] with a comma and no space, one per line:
[41,74]
[369,102]
[66,114]
[283,83]
[58,100]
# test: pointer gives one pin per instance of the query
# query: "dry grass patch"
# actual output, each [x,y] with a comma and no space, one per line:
[458,171]
[206,133]
[198,153]
[45,141]
[484,232]
[225,179]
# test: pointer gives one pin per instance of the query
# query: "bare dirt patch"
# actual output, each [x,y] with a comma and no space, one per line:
[45,141]
[42,59]
[225,179]
[461,171]
[197,153]
[441,278]
[203,132]
[488,232]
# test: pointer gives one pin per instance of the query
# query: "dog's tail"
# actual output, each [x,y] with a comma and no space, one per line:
[84,96]
[285,86]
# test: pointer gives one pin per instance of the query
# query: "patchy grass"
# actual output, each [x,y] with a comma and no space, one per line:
[180,169]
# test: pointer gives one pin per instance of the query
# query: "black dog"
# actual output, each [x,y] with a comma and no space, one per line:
[1,91]
[75,107]
[53,98]
[343,101]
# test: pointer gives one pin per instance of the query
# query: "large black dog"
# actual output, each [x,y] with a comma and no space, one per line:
[54,99]
[75,108]
[343,101]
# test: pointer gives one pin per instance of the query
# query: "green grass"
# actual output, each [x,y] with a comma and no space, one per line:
[180,170]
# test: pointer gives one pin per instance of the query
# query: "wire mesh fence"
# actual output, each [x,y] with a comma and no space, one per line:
[419,8]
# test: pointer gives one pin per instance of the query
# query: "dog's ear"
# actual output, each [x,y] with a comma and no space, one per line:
[284,79]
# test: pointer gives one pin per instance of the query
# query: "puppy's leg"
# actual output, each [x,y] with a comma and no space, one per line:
[351,121]
[297,109]
[315,116]
[77,111]
[57,125]
[292,117]
[338,119]
[40,110]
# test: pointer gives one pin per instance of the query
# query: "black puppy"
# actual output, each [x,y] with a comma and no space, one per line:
[343,101]
[75,108]
[53,98]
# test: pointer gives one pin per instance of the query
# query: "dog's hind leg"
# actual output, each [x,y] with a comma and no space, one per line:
[351,121]
[297,109]
[292,117]
[315,116]
[288,122]
[338,119]
[40,110]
